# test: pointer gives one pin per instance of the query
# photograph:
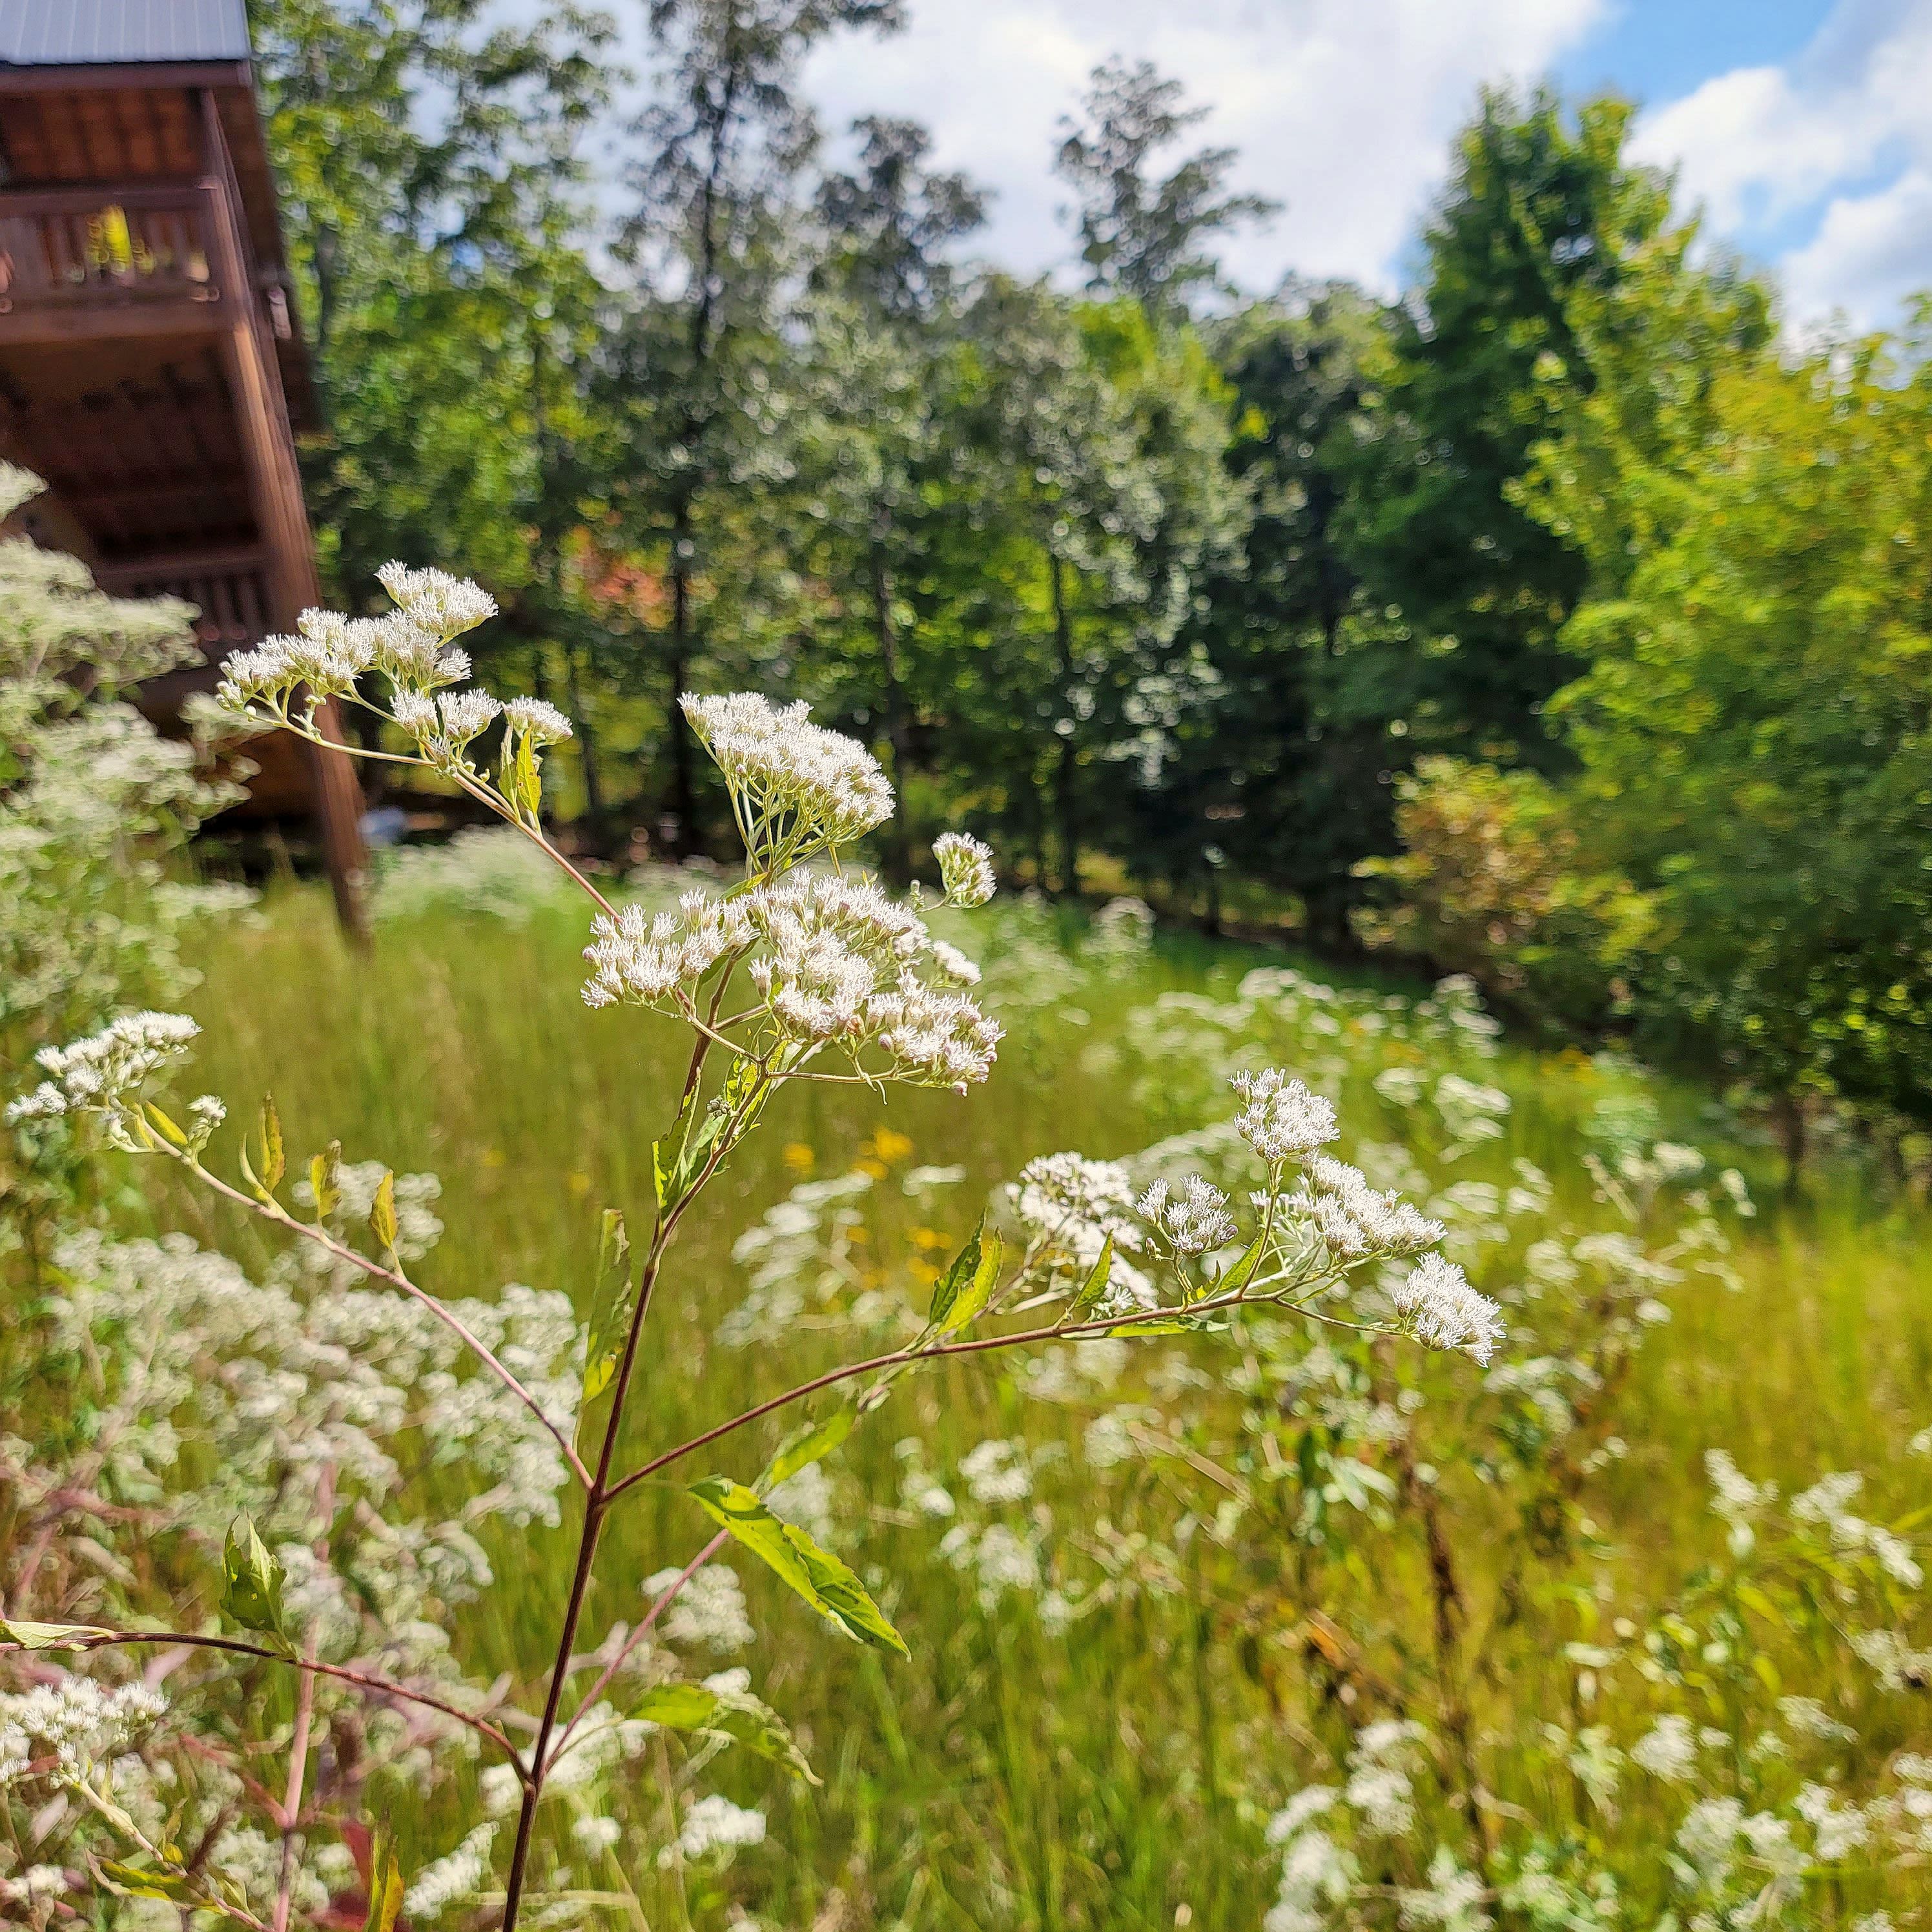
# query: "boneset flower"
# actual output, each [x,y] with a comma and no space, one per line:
[965,868]
[1282,1118]
[1441,1309]
[97,1072]
[796,786]
[1194,1223]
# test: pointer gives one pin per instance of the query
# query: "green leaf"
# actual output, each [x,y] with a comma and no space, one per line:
[666,1153]
[738,1716]
[164,1126]
[610,1313]
[973,1297]
[805,1446]
[960,1272]
[1235,1281]
[48,1636]
[252,1594]
[385,1883]
[146,1882]
[525,787]
[1095,1286]
[383,1215]
[274,1163]
[815,1574]
[843,1595]
[737,1106]
[1164,1324]
[325,1176]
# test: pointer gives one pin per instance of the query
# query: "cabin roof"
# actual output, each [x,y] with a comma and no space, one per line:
[86,33]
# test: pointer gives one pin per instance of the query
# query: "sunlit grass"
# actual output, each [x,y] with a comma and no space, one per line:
[1005,1776]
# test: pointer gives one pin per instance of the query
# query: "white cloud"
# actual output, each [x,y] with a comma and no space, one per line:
[1835,147]
[1343,109]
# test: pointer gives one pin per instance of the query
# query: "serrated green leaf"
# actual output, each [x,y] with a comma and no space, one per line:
[611,1311]
[385,1883]
[666,1154]
[973,1296]
[253,1577]
[274,1163]
[959,1273]
[1095,1286]
[805,1446]
[382,1214]
[815,1574]
[166,1127]
[325,1178]
[47,1636]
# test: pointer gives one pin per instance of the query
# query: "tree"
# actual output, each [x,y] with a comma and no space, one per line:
[697,373]
[1754,729]
[1139,235]
[1540,208]
[1283,776]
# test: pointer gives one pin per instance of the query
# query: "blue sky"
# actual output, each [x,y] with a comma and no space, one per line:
[1804,127]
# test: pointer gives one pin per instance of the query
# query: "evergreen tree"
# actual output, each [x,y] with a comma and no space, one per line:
[1140,235]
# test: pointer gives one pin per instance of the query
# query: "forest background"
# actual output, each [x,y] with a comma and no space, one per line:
[1562,623]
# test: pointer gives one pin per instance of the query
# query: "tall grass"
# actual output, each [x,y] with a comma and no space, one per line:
[1009,1775]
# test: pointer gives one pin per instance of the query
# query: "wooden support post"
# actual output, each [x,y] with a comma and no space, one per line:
[274,486]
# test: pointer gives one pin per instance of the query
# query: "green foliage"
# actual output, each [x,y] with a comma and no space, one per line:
[1752,731]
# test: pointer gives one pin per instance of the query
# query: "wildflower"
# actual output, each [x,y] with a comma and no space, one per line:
[1196,1222]
[96,1072]
[997,1471]
[1283,1118]
[436,601]
[954,965]
[458,1874]
[542,724]
[1442,1311]
[965,868]
[708,1613]
[75,1723]
[1736,1498]
[597,1835]
[795,786]
[1355,1220]
[500,1789]
[714,1824]
[1668,1750]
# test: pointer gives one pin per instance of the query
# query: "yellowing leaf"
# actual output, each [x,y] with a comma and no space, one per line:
[826,1584]
[383,1215]
[47,1636]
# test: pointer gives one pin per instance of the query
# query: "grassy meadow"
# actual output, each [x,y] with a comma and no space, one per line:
[1100,1743]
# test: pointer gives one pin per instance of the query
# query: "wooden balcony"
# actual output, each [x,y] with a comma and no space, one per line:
[112,261]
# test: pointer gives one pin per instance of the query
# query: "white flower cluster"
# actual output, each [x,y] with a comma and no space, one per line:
[965,868]
[98,1073]
[834,961]
[796,787]
[1355,1220]
[708,1613]
[1282,1119]
[1442,1311]
[1195,1221]
[63,1728]
[715,1824]
[457,1875]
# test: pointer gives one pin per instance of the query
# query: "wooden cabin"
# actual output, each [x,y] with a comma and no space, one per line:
[152,367]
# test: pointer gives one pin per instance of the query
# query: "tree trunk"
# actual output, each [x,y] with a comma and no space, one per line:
[597,821]
[1788,1114]
[897,840]
[1065,800]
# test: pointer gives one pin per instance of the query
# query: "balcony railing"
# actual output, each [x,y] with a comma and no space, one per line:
[71,248]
